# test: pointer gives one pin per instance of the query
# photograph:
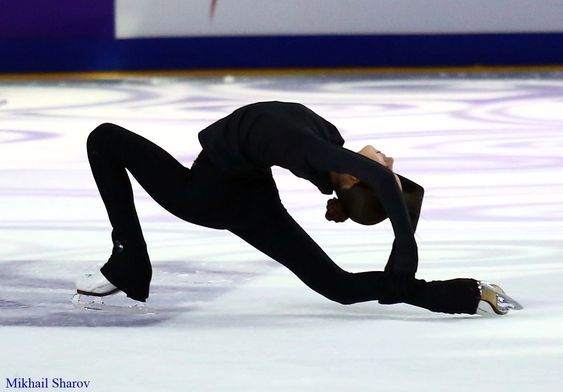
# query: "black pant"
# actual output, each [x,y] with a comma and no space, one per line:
[248,206]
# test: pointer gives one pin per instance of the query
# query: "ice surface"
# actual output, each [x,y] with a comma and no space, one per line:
[489,151]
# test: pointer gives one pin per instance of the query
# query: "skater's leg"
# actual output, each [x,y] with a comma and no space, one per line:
[448,296]
[112,150]
[281,238]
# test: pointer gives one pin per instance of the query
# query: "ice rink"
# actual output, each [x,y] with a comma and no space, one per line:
[488,148]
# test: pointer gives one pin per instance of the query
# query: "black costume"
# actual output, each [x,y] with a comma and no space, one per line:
[230,186]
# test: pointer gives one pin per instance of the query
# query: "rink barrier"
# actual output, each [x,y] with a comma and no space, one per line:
[280,52]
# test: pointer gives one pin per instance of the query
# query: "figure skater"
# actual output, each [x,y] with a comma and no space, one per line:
[230,187]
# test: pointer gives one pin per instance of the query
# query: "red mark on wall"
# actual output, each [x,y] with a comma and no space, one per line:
[212,9]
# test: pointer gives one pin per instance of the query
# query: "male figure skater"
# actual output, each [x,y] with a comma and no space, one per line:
[230,186]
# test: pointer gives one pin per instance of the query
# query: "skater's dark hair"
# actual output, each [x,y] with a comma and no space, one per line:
[361,202]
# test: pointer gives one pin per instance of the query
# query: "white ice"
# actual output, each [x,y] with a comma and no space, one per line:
[489,152]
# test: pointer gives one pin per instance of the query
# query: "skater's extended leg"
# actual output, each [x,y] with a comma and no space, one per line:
[281,238]
[111,151]
[460,295]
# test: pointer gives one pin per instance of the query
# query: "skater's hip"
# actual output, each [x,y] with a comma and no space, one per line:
[218,199]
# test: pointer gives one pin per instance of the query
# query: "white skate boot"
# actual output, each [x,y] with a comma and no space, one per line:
[96,285]
[495,301]
[90,290]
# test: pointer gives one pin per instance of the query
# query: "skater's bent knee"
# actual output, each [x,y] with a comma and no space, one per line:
[104,129]
[99,134]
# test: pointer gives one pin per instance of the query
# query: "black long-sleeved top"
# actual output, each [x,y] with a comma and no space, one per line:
[255,137]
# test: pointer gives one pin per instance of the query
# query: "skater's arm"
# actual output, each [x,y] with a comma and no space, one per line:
[413,195]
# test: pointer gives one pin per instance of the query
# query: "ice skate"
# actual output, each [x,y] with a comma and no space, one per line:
[495,301]
[116,305]
[96,285]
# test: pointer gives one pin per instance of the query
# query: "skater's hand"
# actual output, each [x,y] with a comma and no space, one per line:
[335,211]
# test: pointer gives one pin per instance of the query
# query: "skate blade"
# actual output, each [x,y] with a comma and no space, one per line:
[494,297]
[510,302]
[504,298]
[97,303]
[504,305]
[88,293]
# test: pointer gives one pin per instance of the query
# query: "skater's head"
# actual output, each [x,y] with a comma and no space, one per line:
[358,203]
[356,200]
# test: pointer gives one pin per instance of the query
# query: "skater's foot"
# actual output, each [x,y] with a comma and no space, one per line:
[494,300]
[95,284]
[129,269]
